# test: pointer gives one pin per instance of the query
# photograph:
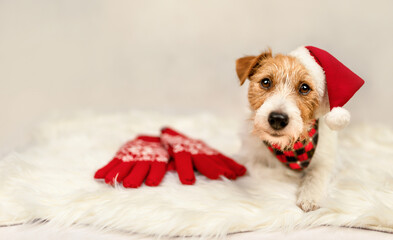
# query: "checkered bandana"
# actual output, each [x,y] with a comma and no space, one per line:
[299,156]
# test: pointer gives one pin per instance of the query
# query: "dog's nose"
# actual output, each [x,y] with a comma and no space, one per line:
[277,120]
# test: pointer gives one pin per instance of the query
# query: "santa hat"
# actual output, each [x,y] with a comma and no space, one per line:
[340,81]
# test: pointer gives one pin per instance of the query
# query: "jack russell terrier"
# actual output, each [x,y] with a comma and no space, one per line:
[296,109]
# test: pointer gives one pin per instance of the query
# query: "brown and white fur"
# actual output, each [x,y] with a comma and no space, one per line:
[286,74]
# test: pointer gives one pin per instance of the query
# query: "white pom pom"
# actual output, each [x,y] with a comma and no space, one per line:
[337,118]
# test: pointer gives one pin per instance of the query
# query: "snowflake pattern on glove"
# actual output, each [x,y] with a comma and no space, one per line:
[182,144]
[140,150]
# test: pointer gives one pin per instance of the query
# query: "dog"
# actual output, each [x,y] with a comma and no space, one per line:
[287,103]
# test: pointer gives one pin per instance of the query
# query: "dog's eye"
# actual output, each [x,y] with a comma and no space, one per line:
[266,83]
[304,89]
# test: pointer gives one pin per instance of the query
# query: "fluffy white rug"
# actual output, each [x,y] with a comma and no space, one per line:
[52,179]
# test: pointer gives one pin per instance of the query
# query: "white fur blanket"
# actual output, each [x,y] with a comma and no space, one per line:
[52,179]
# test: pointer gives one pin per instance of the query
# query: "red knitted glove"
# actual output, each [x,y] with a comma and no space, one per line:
[137,160]
[189,153]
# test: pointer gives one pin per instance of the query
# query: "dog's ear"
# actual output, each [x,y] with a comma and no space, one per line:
[246,66]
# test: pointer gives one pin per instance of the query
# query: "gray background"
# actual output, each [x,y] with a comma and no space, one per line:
[179,55]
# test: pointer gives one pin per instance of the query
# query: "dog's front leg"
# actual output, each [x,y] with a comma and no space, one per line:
[316,177]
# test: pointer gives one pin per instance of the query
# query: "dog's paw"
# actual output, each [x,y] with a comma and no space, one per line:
[307,205]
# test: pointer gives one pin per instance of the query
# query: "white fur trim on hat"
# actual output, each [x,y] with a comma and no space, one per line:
[337,118]
[316,71]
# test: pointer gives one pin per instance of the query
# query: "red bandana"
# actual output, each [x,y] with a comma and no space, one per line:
[299,156]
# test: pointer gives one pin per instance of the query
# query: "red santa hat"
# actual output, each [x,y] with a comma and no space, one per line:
[340,81]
